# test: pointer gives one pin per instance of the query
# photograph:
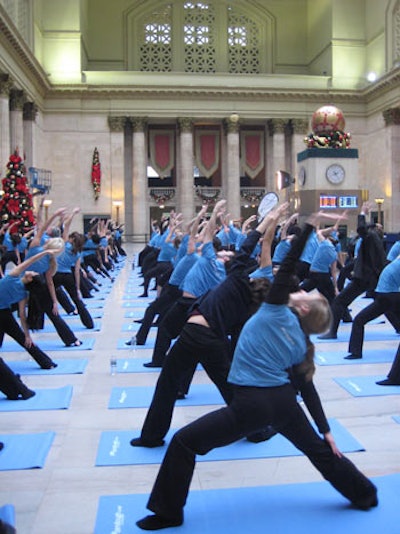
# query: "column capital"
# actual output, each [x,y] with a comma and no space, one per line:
[391,116]
[276,126]
[117,124]
[30,111]
[300,126]
[185,124]
[138,123]
[17,99]
[232,123]
[6,84]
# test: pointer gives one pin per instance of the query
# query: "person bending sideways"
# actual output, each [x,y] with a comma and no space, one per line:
[272,341]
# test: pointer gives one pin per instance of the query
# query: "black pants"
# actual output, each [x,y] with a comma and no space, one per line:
[322,282]
[169,294]
[339,305]
[67,281]
[160,269]
[195,344]
[251,409]
[43,301]
[170,328]
[394,373]
[384,303]
[9,326]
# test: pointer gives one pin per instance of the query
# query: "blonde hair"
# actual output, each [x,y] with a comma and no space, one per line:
[319,317]
[55,244]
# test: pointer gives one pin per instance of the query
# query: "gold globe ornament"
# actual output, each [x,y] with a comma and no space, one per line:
[327,120]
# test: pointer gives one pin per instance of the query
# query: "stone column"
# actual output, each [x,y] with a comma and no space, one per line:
[120,172]
[185,180]
[300,130]
[391,211]
[29,115]
[277,131]
[231,180]
[17,101]
[141,222]
[5,143]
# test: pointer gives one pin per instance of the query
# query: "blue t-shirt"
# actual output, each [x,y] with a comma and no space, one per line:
[206,273]
[263,272]
[389,279]
[167,252]
[67,259]
[281,249]
[394,251]
[12,290]
[42,264]
[310,248]
[270,342]
[182,268]
[89,248]
[7,242]
[324,256]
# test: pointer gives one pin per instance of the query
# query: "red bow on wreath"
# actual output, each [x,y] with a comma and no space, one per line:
[96,174]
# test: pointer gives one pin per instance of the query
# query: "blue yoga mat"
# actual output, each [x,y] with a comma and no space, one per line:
[7,514]
[48,345]
[140,397]
[150,342]
[369,356]
[396,418]
[365,386]
[45,399]
[25,451]
[114,448]
[137,314]
[99,304]
[371,334]
[301,508]
[67,366]
[74,325]
[134,327]
[135,365]
[132,304]
[95,314]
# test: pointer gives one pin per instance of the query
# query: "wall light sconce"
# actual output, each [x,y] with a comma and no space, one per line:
[372,77]
[117,204]
[47,203]
[379,201]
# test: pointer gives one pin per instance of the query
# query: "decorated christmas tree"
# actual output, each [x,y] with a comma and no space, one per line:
[16,203]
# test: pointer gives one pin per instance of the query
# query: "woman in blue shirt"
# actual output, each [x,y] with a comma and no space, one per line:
[69,269]
[273,341]
[13,291]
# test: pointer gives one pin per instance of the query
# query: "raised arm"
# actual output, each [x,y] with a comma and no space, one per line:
[218,211]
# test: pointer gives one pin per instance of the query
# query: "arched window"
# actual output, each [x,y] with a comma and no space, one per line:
[199,37]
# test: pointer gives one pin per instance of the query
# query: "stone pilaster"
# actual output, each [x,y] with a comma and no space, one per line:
[5,141]
[17,101]
[140,202]
[29,113]
[277,129]
[231,180]
[185,180]
[392,121]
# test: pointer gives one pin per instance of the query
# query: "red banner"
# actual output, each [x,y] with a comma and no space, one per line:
[207,151]
[252,150]
[162,150]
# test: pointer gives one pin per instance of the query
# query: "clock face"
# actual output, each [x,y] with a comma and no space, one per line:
[302,175]
[335,174]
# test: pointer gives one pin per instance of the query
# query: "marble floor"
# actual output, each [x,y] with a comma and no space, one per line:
[62,497]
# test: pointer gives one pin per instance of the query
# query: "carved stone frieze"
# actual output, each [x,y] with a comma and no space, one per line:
[185,124]
[117,124]
[299,126]
[17,99]
[392,116]
[138,123]
[6,84]
[276,126]
[30,111]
